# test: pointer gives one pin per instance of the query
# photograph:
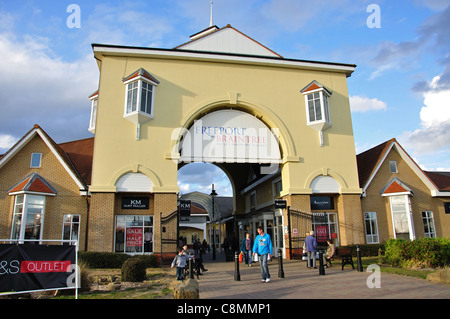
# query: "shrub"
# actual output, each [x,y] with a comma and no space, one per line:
[422,252]
[133,269]
[112,260]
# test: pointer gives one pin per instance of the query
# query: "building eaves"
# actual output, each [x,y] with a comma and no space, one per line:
[120,50]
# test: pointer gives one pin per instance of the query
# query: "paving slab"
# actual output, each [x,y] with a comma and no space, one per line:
[299,282]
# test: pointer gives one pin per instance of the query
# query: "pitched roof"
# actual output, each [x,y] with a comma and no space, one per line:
[370,161]
[80,153]
[226,39]
[141,73]
[440,179]
[314,85]
[395,185]
[33,183]
[78,164]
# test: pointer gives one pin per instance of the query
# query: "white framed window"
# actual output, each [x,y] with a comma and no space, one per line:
[93,119]
[28,218]
[140,96]
[317,107]
[401,217]
[428,224]
[371,226]
[36,160]
[393,166]
[71,227]
[134,234]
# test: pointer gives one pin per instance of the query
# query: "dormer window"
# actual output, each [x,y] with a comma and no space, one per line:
[317,107]
[140,97]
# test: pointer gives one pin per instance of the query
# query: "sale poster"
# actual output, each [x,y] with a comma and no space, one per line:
[322,234]
[135,237]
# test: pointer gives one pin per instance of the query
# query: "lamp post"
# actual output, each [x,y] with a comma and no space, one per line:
[213,194]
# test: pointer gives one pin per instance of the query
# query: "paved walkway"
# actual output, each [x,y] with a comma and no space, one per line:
[302,283]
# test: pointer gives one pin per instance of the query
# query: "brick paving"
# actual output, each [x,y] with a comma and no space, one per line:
[302,283]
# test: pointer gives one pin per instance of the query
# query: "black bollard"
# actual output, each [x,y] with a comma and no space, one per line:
[321,265]
[191,273]
[237,275]
[280,264]
[359,267]
[214,251]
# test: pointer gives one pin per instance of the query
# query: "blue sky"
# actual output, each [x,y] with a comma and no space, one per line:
[401,86]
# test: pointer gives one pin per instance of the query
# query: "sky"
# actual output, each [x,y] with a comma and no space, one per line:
[400,88]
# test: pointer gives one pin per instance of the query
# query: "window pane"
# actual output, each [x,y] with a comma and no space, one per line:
[143,98]
[149,102]
[318,110]
[17,223]
[132,97]
[36,160]
[399,212]
[312,116]
[134,100]
[326,107]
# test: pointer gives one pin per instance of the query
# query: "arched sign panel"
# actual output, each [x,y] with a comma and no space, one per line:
[230,136]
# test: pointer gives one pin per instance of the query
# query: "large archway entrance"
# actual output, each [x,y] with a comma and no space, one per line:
[249,153]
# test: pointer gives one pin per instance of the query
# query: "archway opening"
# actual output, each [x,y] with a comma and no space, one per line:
[238,145]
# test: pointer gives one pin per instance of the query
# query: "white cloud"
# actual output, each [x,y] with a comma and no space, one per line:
[126,24]
[39,87]
[364,104]
[6,142]
[434,131]
[200,176]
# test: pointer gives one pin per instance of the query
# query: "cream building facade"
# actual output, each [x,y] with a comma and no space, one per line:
[222,97]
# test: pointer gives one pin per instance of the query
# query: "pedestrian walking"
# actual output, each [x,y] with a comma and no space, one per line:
[246,249]
[263,247]
[311,249]
[180,262]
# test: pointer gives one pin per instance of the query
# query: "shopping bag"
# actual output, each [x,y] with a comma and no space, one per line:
[255,258]
[304,256]
[241,255]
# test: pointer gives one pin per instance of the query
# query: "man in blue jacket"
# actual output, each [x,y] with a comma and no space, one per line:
[263,247]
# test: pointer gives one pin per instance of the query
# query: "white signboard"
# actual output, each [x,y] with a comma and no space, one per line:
[230,136]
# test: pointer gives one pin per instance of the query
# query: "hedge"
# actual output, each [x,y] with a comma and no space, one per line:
[422,252]
[112,260]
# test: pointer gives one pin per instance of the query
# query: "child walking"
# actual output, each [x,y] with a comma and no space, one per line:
[180,262]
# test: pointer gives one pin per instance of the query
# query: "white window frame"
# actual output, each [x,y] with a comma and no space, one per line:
[71,224]
[393,167]
[371,217]
[324,107]
[332,222]
[429,219]
[407,204]
[139,81]
[25,204]
[40,160]
[152,227]
[93,119]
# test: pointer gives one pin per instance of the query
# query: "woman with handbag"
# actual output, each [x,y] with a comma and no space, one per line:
[246,249]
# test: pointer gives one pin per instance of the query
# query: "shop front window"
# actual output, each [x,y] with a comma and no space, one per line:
[325,226]
[134,234]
